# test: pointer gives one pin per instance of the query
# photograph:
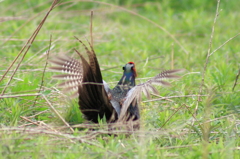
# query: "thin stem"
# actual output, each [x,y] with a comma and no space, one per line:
[207,58]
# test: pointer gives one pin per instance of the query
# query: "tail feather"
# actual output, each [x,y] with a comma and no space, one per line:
[85,79]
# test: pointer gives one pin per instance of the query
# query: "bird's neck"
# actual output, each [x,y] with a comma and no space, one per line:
[128,78]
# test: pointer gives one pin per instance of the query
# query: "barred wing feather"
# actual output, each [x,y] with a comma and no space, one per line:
[134,94]
[73,73]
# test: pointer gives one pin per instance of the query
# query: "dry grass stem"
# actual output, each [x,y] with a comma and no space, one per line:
[224,44]
[56,112]
[170,117]
[207,58]
[172,57]
[44,70]
[19,28]
[30,121]
[26,47]
[164,98]
[236,79]
[177,147]
[19,95]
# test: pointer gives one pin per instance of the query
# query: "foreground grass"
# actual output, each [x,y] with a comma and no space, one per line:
[170,128]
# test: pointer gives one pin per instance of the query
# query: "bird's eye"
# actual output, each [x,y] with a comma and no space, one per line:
[123,67]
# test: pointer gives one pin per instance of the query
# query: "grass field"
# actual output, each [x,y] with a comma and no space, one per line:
[197,117]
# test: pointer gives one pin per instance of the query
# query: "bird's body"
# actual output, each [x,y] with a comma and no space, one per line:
[119,92]
[96,99]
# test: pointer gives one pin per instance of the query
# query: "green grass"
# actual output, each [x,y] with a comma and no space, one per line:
[29,128]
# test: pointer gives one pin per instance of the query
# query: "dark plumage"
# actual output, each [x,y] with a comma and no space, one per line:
[96,99]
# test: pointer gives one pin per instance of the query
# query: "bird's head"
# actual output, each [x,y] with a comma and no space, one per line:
[130,67]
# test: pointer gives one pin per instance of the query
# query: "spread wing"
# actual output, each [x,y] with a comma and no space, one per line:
[134,95]
[84,79]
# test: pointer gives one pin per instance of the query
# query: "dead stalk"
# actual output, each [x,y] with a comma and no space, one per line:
[207,58]
[56,112]
[44,70]
[25,48]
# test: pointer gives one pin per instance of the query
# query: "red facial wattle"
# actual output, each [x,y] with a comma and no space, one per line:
[134,69]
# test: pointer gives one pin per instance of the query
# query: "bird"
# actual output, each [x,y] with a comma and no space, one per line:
[95,98]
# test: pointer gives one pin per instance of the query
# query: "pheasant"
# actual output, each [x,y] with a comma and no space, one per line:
[96,99]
